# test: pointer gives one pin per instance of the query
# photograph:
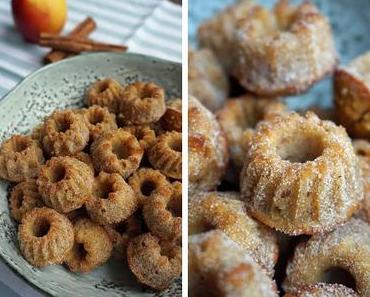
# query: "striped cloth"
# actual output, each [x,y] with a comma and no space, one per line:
[151,27]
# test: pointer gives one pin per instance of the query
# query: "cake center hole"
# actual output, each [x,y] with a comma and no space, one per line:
[300,148]
[81,251]
[20,146]
[121,150]
[145,93]
[63,125]
[176,145]
[175,207]
[41,227]
[338,275]
[96,118]
[103,86]
[147,187]
[105,189]
[58,173]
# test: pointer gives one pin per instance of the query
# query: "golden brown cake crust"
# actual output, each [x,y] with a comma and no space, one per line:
[154,263]
[45,237]
[313,261]
[20,158]
[172,119]
[301,175]
[208,155]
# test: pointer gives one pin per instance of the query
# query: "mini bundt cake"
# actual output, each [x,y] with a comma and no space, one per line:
[117,151]
[24,197]
[105,93]
[218,266]
[92,247]
[285,51]
[238,119]
[20,158]
[207,80]
[166,154]
[301,175]
[65,183]
[143,133]
[155,263]
[341,256]
[142,103]
[224,211]
[362,149]
[208,155]
[352,96]
[218,33]
[65,133]
[45,237]
[324,290]
[172,118]
[112,200]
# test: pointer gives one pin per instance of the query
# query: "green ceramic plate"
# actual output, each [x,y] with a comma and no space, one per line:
[62,85]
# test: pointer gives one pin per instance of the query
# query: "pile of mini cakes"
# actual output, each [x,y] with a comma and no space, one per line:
[102,181]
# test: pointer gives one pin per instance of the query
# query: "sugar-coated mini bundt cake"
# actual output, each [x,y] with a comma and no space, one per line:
[65,183]
[99,120]
[117,151]
[92,247]
[142,103]
[45,237]
[207,80]
[172,118]
[148,183]
[155,263]
[285,51]
[324,290]
[65,133]
[301,175]
[208,153]
[226,212]
[220,267]
[166,154]
[20,158]
[341,256]
[106,93]
[163,214]
[143,133]
[218,33]
[362,149]
[112,200]
[238,119]
[85,158]
[24,197]
[352,96]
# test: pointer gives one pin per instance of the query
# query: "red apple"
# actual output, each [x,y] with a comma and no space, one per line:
[33,17]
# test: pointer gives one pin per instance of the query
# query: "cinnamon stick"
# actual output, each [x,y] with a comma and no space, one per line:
[83,29]
[77,45]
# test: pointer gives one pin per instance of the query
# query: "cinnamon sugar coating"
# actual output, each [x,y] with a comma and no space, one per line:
[163,214]
[148,183]
[117,152]
[172,118]
[65,133]
[226,212]
[324,290]
[362,149]
[92,247]
[99,120]
[45,237]
[85,158]
[208,155]
[65,183]
[142,103]
[238,119]
[352,96]
[207,80]
[285,51]
[24,197]
[105,93]
[346,248]
[155,263]
[166,154]
[220,267]
[20,158]
[145,134]
[112,200]
[301,175]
